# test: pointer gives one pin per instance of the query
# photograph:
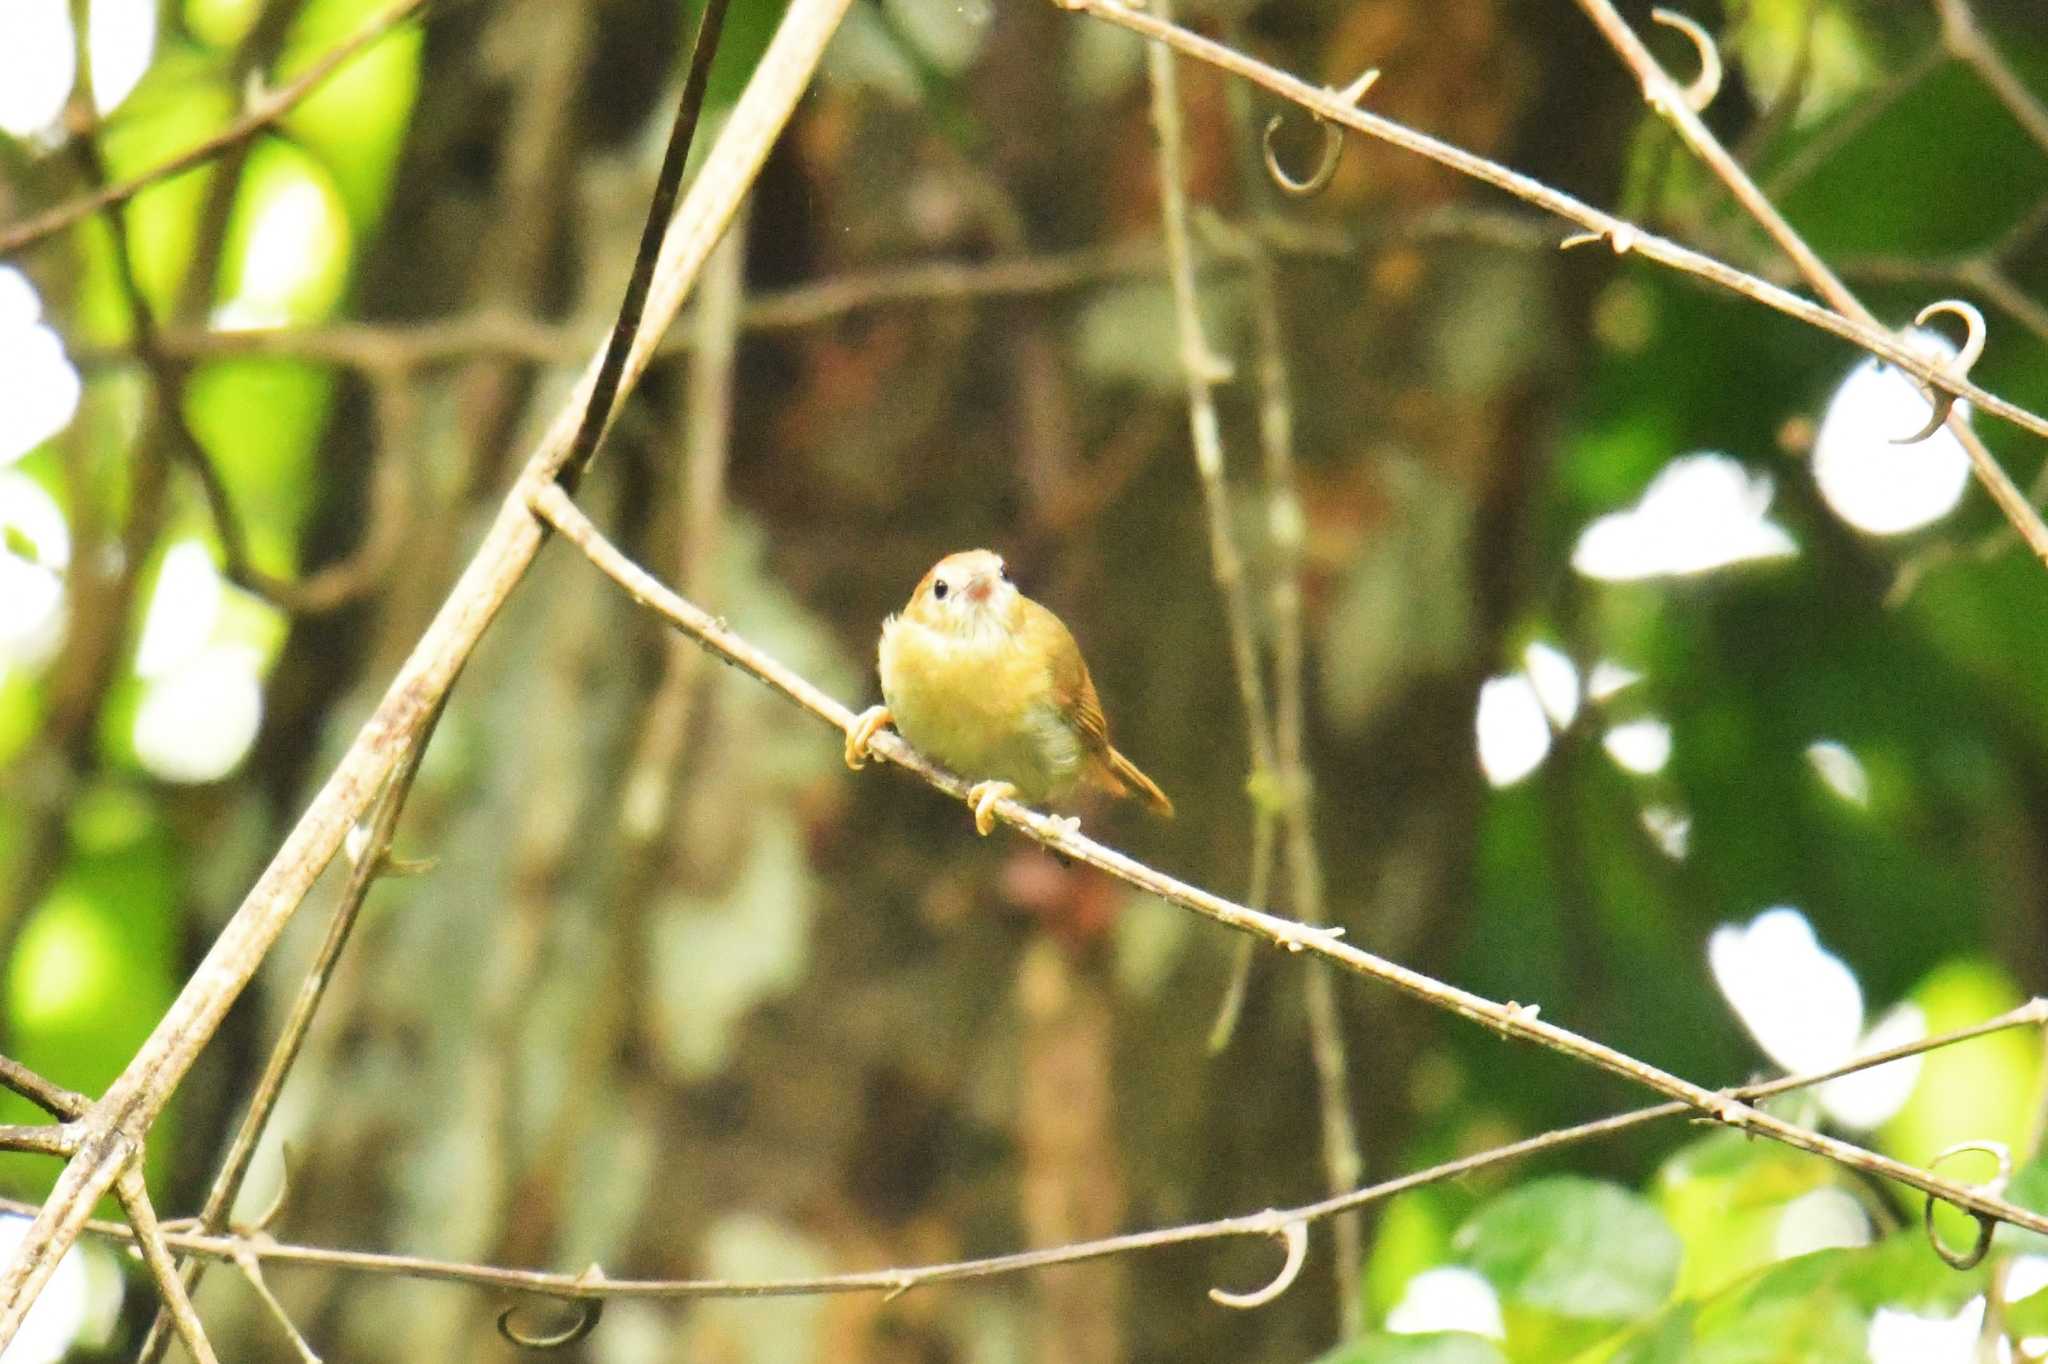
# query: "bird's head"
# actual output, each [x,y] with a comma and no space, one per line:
[968,594]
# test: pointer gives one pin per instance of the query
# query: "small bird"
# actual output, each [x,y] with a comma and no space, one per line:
[987,681]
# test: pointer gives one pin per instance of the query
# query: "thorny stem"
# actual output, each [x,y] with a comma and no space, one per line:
[1509,1019]
[586,1286]
[116,1123]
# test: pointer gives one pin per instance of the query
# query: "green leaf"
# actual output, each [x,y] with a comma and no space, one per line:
[1725,1196]
[1814,1309]
[1432,1347]
[1573,1247]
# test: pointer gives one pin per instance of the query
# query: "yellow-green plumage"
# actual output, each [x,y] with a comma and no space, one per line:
[991,684]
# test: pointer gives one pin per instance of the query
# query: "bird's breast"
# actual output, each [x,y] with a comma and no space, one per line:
[981,704]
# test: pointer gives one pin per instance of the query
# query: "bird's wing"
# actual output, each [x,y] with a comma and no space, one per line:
[1073,690]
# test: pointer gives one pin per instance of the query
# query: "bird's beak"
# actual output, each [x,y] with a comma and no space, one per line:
[979,587]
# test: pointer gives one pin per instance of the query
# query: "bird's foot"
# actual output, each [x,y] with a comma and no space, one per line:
[865,727]
[982,796]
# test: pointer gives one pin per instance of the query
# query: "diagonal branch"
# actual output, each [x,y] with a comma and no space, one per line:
[1513,1020]
[149,1238]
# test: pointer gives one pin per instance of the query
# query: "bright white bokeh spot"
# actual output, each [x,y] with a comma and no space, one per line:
[1609,678]
[1826,1219]
[1448,1298]
[1868,481]
[123,35]
[1804,1007]
[1905,1338]
[1670,828]
[31,589]
[1556,679]
[61,1309]
[1840,771]
[182,611]
[1640,746]
[1798,1000]
[1700,513]
[39,389]
[1867,1099]
[1514,734]
[196,722]
[294,227]
[37,64]
[2026,1276]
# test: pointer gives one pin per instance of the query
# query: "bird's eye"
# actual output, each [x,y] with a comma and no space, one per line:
[1003,572]
[939,589]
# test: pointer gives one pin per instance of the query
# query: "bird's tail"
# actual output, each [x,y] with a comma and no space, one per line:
[1139,785]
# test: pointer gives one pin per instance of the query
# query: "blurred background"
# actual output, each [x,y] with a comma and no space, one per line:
[1645,679]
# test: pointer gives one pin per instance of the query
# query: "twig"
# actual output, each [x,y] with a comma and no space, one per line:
[604,391]
[260,115]
[586,1286]
[1666,97]
[149,1237]
[53,1099]
[1628,237]
[1509,1020]
[714,331]
[1968,43]
[118,1120]
[370,864]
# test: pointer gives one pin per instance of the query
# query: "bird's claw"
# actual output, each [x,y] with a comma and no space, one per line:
[865,727]
[982,796]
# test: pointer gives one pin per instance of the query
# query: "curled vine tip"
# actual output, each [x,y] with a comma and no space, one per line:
[588,1309]
[1974,1256]
[1326,164]
[1973,347]
[1293,1235]
[1333,143]
[1707,84]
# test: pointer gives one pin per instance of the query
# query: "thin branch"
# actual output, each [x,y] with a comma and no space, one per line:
[53,1099]
[260,115]
[149,1237]
[1626,236]
[1509,1020]
[587,1286]
[1969,44]
[1667,98]
[370,863]
[42,1139]
[714,332]
[604,393]
[1203,370]
[118,1120]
